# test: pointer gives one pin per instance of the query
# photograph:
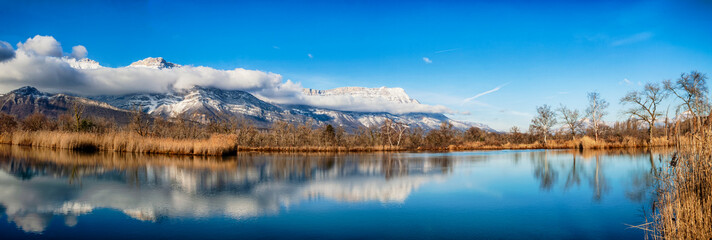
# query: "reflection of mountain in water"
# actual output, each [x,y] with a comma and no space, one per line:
[37,185]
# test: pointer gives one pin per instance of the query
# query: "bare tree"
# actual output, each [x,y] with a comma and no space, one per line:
[645,105]
[8,123]
[515,135]
[387,131]
[77,111]
[545,119]
[596,110]
[139,122]
[36,122]
[571,118]
[400,129]
[329,135]
[691,88]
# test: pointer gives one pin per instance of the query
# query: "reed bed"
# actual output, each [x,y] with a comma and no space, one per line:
[683,208]
[217,144]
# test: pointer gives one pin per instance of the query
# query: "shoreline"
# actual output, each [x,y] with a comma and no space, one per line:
[226,144]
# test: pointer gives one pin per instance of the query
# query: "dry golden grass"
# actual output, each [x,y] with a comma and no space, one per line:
[217,144]
[124,142]
[683,209]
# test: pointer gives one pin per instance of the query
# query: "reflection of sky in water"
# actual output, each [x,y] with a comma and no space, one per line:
[486,194]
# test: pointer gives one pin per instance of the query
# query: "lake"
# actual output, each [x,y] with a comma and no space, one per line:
[532,194]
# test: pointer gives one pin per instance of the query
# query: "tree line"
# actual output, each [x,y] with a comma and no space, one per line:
[643,109]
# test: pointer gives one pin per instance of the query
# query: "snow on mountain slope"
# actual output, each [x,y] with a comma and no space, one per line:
[147,102]
[205,104]
[83,63]
[211,103]
[154,63]
[202,104]
[396,95]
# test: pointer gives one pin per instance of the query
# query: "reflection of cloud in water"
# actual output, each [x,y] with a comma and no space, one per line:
[150,192]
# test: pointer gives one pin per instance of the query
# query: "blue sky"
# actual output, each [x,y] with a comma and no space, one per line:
[533,53]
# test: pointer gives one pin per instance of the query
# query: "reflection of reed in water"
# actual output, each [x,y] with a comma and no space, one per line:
[281,165]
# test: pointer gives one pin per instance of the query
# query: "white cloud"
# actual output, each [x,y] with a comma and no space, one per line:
[483,93]
[36,65]
[518,113]
[625,81]
[79,52]
[359,104]
[6,51]
[41,45]
[427,60]
[310,55]
[447,50]
[639,37]
[54,74]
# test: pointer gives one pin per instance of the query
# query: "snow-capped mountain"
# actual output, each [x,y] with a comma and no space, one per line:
[396,95]
[83,63]
[202,104]
[154,63]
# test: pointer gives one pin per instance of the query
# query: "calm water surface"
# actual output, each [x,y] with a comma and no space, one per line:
[489,194]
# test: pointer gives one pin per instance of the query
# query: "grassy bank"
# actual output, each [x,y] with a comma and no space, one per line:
[224,144]
[683,208]
[218,144]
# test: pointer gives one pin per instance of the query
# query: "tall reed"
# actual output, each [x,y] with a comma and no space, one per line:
[683,208]
[217,144]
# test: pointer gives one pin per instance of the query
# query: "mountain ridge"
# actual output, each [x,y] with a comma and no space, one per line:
[203,104]
[24,101]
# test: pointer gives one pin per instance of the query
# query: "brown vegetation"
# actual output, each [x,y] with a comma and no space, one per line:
[683,208]
[218,144]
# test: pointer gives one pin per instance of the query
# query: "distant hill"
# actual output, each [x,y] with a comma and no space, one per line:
[25,101]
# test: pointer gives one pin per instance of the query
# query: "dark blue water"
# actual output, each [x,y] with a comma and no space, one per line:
[492,195]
